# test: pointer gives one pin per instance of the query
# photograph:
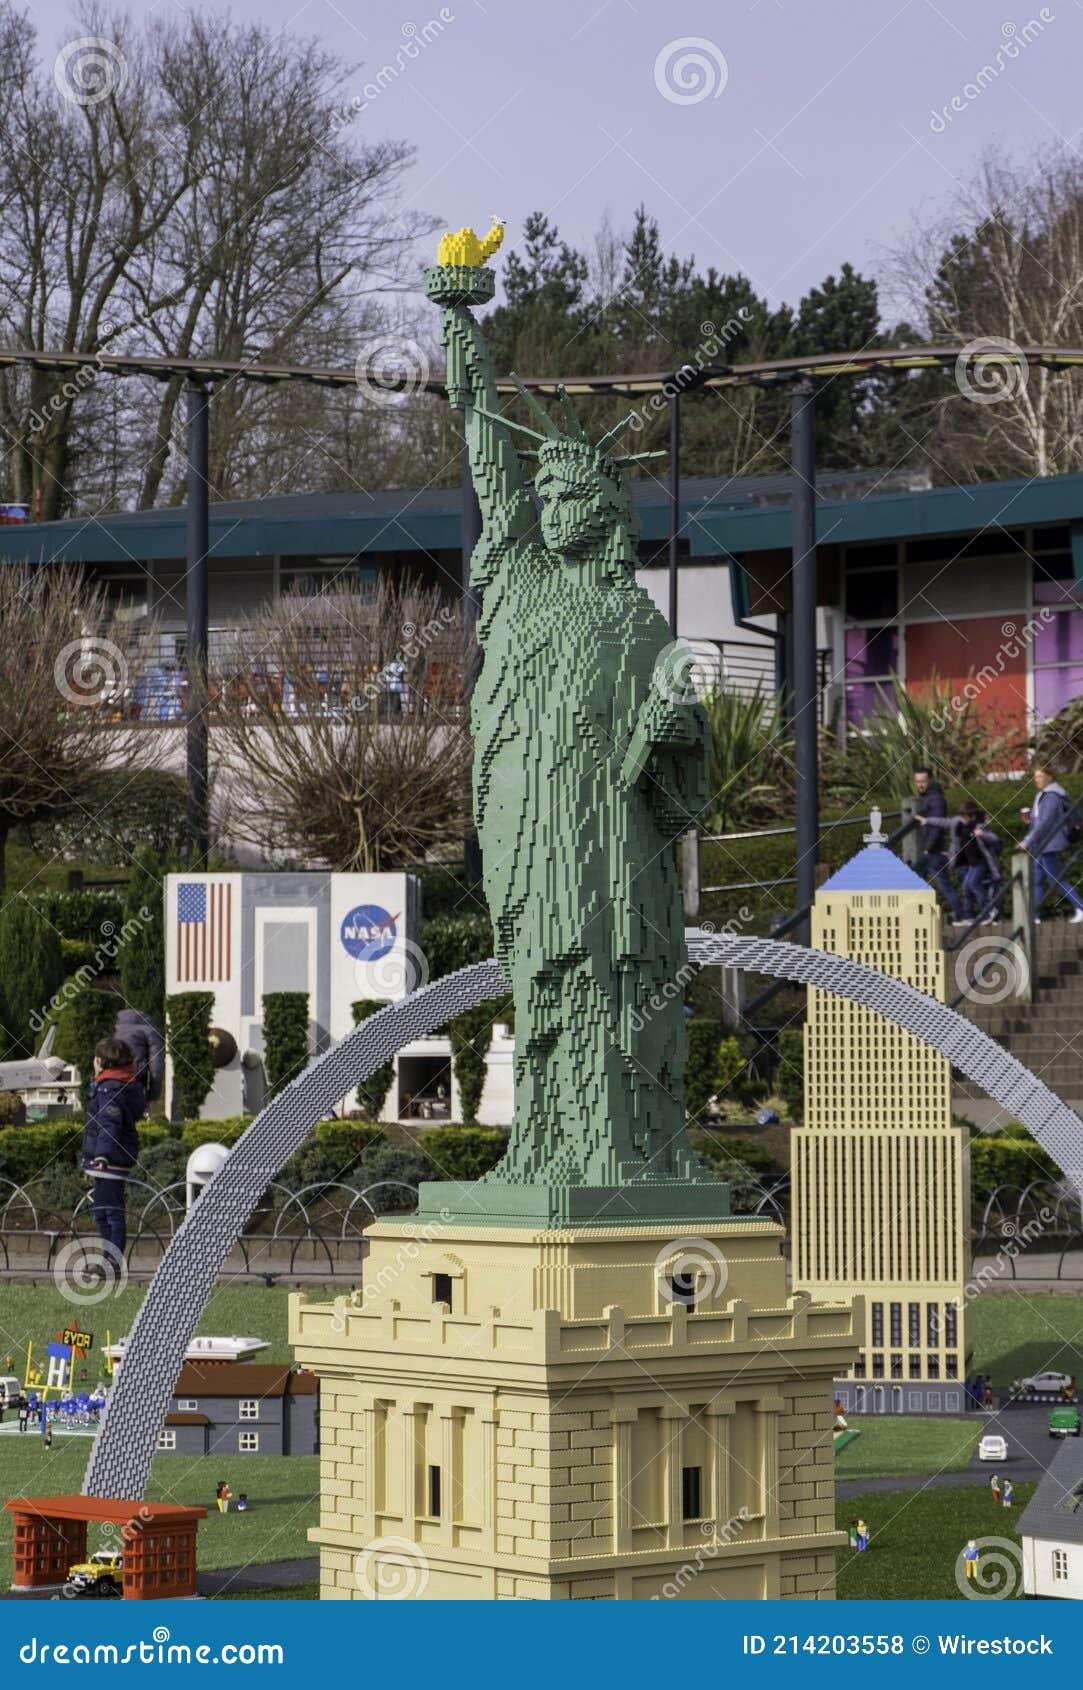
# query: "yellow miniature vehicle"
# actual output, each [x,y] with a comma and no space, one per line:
[98,1576]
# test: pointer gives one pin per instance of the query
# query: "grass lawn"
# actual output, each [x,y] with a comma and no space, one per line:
[284,1593]
[916,1536]
[37,1311]
[892,1444]
[1016,1332]
[282,1496]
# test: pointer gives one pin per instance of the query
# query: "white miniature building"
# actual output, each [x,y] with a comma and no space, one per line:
[1051,1527]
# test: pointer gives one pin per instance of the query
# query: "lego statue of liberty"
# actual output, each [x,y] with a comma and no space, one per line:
[589,763]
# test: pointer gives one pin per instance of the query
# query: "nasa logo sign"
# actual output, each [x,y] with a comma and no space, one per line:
[369,932]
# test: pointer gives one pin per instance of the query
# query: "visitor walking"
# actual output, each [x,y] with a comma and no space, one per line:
[111,1143]
[147,1046]
[970,1555]
[1054,826]
[976,859]
[931,816]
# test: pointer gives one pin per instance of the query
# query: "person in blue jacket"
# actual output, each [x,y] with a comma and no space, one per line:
[110,1140]
[1052,821]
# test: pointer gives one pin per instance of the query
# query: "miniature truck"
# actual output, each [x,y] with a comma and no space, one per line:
[1064,1422]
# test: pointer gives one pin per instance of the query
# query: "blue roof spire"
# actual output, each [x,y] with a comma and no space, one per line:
[874,869]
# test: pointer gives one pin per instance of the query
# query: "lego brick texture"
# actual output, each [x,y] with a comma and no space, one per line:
[140,1398]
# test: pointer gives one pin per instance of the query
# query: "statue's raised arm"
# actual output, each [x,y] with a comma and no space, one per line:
[457,281]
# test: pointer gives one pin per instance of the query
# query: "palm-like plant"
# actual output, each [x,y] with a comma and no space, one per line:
[939,727]
[750,769]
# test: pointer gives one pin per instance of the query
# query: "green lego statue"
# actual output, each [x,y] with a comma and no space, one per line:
[589,763]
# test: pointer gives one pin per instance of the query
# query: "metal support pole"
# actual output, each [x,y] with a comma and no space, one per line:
[471,534]
[197,841]
[1022,920]
[674,505]
[690,875]
[803,616]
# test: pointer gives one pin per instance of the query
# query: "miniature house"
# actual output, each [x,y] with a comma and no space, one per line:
[1051,1527]
[248,1408]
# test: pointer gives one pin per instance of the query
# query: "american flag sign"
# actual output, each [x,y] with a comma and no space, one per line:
[203,932]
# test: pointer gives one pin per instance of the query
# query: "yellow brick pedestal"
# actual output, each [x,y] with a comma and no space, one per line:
[607,1413]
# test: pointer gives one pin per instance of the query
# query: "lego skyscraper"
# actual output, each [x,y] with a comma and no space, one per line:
[880,1172]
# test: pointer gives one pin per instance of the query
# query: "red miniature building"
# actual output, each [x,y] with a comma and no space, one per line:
[158,1538]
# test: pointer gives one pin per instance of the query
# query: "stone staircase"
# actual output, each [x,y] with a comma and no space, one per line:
[1046,1035]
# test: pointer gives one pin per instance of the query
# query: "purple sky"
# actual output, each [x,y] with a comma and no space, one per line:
[819,147]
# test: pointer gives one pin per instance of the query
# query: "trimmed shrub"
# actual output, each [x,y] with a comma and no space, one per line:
[31,971]
[372,1093]
[345,1143]
[462,1153]
[471,1034]
[701,1067]
[285,1038]
[26,1152]
[84,1021]
[142,955]
[226,1131]
[1008,1158]
[85,915]
[442,889]
[452,941]
[188,1025]
[12,1109]
[790,1071]
[389,1176]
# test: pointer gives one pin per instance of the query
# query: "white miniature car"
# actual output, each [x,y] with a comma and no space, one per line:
[1047,1382]
[993,1447]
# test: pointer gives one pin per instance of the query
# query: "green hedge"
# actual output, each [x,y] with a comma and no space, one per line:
[188,1025]
[1011,1157]
[285,1038]
[462,1153]
[372,1093]
[452,941]
[81,915]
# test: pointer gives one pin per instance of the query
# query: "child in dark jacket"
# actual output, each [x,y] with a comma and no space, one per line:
[110,1140]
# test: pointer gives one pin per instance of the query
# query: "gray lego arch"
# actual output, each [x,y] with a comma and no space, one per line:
[139,1400]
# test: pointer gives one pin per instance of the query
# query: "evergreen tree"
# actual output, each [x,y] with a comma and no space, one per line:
[31,970]
[141,957]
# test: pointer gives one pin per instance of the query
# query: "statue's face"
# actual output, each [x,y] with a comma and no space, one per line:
[580,504]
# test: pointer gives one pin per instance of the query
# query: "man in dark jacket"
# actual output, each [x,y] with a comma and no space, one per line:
[931,816]
[147,1046]
[110,1140]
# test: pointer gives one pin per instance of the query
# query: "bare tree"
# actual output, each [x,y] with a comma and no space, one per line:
[1002,270]
[192,188]
[340,728]
[71,673]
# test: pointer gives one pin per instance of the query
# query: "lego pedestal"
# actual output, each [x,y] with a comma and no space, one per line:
[597,1413]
